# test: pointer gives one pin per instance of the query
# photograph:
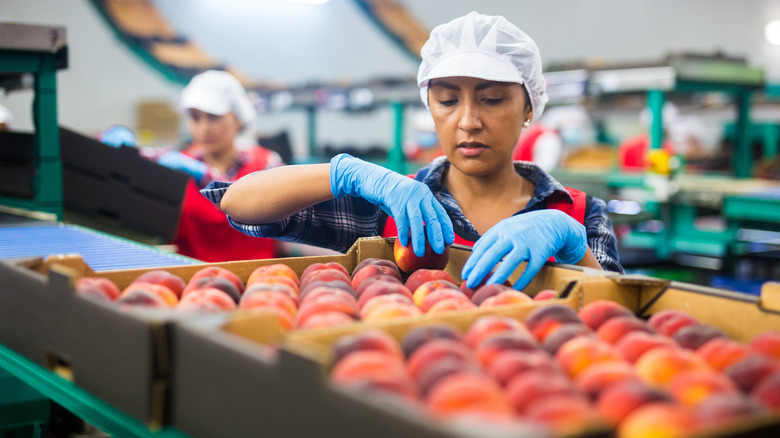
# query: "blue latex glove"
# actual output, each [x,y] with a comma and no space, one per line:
[177,160]
[533,237]
[118,135]
[409,202]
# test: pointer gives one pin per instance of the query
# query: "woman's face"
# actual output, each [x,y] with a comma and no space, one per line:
[215,134]
[478,122]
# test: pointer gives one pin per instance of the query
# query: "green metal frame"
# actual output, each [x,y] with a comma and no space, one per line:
[47,180]
[93,410]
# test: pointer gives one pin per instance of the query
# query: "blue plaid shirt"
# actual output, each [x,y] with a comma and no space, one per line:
[338,223]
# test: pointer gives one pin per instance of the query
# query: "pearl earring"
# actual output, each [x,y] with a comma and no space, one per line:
[527,123]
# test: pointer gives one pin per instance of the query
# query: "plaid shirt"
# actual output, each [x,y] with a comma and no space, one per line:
[338,223]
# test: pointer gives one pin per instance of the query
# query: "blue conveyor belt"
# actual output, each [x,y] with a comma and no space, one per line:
[100,251]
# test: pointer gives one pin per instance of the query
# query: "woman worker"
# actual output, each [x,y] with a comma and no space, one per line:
[481,78]
[217,109]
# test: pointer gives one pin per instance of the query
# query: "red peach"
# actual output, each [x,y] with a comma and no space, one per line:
[364,367]
[505,298]
[376,340]
[369,271]
[659,365]
[391,311]
[422,334]
[767,343]
[382,300]
[319,291]
[564,413]
[279,269]
[511,363]
[471,292]
[692,387]
[615,328]
[723,410]
[99,287]
[620,399]
[579,353]
[448,305]
[485,292]
[634,344]
[468,394]
[748,371]
[492,324]
[319,266]
[487,350]
[143,297]
[165,278]
[440,369]
[375,261]
[220,283]
[269,287]
[545,319]
[164,292]
[326,319]
[441,294]
[547,294]
[721,352]
[263,299]
[382,288]
[429,286]
[338,284]
[658,420]
[421,276]
[206,300]
[567,331]
[409,262]
[767,391]
[325,275]
[597,312]
[327,303]
[273,279]
[434,351]
[216,271]
[526,388]
[694,336]
[668,321]
[365,283]
[599,376]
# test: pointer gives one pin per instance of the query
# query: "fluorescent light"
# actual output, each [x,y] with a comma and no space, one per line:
[772,32]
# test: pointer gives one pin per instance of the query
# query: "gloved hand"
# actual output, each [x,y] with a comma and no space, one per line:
[177,160]
[117,135]
[534,237]
[409,202]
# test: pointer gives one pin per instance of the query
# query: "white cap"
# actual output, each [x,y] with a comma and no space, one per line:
[218,92]
[5,115]
[485,47]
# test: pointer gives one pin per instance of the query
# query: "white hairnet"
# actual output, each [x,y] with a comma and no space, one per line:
[218,92]
[5,115]
[485,47]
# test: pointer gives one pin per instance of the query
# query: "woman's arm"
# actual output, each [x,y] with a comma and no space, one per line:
[590,261]
[276,194]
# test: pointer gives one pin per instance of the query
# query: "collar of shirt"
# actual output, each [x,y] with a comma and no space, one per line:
[242,157]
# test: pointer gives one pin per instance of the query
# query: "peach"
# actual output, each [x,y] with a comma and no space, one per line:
[391,311]
[369,271]
[265,299]
[216,271]
[279,269]
[448,305]
[326,319]
[220,283]
[722,410]
[273,279]
[99,287]
[579,353]
[721,352]
[615,328]
[468,394]
[338,284]
[748,371]
[564,413]
[165,278]
[490,347]
[694,336]
[668,321]
[442,294]
[511,363]
[368,281]
[492,324]
[429,286]
[375,261]
[382,300]
[369,340]
[691,387]
[268,287]
[421,276]
[597,312]
[545,319]
[326,303]
[143,297]
[436,350]
[620,399]
[471,292]
[566,331]
[767,391]
[409,262]
[404,389]
[206,300]
[529,387]
[325,275]
[285,319]
[595,378]
[767,343]
[485,292]
[164,292]
[437,371]
[364,367]
[382,288]
[332,286]
[636,343]
[505,298]
[658,420]
[319,291]
[319,266]
[659,365]
[422,334]
[547,294]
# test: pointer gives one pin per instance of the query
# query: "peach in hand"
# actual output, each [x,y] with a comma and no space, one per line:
[409,262]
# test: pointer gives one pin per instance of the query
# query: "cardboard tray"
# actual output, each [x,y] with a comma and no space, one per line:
[224,368]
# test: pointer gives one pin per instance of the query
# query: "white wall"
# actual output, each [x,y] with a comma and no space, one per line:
[273,41]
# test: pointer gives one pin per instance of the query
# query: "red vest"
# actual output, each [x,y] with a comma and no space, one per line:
[576,209]
[524,150]
[204,232]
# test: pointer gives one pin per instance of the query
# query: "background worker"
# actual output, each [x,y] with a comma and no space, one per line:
[545,142]
[217,109]
[480,94]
